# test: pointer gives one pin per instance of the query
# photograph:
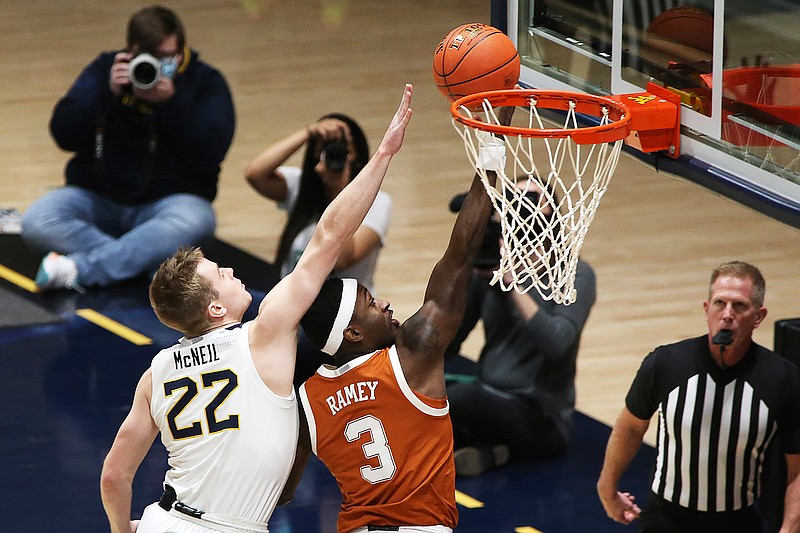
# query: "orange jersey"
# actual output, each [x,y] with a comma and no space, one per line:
[390,449]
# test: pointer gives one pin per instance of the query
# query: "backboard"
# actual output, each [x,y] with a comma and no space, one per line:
[734,63]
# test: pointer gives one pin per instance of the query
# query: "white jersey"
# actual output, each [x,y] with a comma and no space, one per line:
[231,440]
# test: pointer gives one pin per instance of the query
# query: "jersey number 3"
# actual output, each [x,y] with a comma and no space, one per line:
[377,446]
[190,392]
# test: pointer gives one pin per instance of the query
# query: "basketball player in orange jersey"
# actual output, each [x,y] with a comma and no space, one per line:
[379,420]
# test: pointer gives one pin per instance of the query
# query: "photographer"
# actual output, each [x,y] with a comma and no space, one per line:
[146,160]
[521,403]
[336,150]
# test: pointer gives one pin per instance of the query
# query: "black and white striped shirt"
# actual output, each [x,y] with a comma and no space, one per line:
[715,425]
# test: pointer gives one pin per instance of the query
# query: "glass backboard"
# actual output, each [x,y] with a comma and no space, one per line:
[734,63]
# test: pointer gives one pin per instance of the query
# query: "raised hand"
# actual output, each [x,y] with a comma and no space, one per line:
[119,76]
[393,138]
[158,94]
[329,129]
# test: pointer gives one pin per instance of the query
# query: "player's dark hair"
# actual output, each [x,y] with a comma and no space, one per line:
[318,320]
[311,199]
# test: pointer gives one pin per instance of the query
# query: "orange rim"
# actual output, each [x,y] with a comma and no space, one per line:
[585,104]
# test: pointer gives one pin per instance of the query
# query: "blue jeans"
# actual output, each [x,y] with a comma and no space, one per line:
[111,242]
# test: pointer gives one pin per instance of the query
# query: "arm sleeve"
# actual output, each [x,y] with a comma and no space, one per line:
[641,399]
[292,177]
[379,215]
[76,116]
[556,330]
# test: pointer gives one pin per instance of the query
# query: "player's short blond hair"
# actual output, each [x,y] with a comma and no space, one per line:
[179,295]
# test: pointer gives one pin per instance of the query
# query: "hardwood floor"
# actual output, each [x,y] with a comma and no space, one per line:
[653,243]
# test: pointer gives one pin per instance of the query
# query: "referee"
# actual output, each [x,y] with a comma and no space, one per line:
[721,400]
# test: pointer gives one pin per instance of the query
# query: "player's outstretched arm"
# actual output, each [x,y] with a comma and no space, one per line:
[342,218]
[423,339]
[284,306]
[345,213]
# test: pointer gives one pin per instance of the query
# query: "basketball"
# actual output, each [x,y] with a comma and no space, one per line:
[474,58]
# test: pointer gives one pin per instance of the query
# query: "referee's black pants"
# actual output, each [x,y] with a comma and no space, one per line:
[661,516]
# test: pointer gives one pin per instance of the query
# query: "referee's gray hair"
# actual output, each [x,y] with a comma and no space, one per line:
[742,270]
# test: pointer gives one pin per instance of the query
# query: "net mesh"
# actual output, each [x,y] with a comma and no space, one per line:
[547,193]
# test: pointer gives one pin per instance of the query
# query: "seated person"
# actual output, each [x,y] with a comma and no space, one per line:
[520,406]
[146,161]
[336,150]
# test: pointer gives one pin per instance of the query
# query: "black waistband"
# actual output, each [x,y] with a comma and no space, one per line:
[383,528]
[169,500]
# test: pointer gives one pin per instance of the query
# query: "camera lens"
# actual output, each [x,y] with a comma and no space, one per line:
[144,71]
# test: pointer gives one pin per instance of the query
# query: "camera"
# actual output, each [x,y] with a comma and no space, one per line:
[145,70]
[335,154]
[489,252]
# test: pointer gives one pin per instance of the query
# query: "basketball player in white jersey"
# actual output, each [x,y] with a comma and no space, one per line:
[222,397]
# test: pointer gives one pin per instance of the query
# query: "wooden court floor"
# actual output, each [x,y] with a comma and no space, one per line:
[653,242]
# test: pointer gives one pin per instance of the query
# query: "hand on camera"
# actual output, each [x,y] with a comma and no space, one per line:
[161,92]
[334,146]
[120,78]
[328,129]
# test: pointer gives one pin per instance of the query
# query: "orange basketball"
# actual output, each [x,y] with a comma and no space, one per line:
[474,58]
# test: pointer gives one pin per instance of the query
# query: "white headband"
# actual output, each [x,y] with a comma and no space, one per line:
[346,308]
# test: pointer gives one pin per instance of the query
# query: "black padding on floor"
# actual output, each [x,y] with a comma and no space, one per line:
[18,311]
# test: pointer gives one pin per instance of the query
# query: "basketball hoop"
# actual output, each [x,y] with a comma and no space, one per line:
[542,233]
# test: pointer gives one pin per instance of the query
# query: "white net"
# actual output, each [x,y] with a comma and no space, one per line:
[545,206]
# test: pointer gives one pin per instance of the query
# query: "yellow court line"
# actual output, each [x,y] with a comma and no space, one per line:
[114,327]
[468,501]
[526,529]
[18,279]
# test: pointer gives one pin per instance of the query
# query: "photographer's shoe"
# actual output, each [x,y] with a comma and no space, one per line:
[10,220]
[473,461]
[57,272]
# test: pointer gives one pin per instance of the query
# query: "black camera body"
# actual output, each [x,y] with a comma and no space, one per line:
[335,154]
[489,252]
